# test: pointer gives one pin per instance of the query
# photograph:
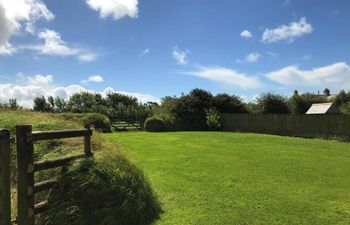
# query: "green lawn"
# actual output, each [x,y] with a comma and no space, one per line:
[230,178]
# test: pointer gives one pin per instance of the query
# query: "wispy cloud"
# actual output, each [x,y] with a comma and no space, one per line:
[272,53]
[180,56]
[115,8]
[335,76]
[17,16]
[250,58]
[226,76]
[306,57]
[287,32]
[54,46]
[146,51]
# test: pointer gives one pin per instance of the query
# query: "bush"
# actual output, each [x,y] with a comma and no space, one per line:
[98,192]
[345,108]
[272,103]
[300,104]
[154,124]
[98,121]
[213,120]
[190,110]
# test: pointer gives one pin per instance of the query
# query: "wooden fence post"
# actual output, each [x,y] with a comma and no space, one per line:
[87,141]
[5,191]
[25,186]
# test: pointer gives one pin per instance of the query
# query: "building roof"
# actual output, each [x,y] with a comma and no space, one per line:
[323,108]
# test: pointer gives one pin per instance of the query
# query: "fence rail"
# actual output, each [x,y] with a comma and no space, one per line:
[313,126]
[5,191]
[26,188]
[124,122]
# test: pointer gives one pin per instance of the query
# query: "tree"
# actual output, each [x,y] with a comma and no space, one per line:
[41,105]
[272,103]
[300,104]
[60,104]
[225,103]
[342,98]
[327,92]
[190,110]
[51,103]
[13,104]
[82,102]
[345,108]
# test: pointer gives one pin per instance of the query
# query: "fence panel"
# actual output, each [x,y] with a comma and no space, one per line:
[324,126]
[5,191]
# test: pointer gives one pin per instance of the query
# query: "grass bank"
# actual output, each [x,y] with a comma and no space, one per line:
[116,190]
[231,178]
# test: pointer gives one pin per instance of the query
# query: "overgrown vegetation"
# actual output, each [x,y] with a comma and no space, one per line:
[99,121]
[109,190]
[113,104]
[119,173]
[213,120]
[154,124]
[189,112]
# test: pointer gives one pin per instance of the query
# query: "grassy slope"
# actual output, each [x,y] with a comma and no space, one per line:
[230,178]
[48,121]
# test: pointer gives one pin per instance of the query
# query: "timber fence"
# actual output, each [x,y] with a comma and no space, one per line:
[311,126]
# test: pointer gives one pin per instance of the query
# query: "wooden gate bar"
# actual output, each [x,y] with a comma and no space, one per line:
[25,150]
[52,163]
[48,135]
[5,188]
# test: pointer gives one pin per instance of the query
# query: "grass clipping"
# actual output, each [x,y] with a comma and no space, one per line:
[108,191]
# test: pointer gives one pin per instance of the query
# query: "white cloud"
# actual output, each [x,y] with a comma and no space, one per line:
[54,46]
[272,53]
[306,57]
[87,57]
[246,34]
[226,76]
[180,56]
[16,14]
[336,76]
[144,98]
[287,32]
[114,8]
[94,78]
[250,58]
[146,51]
[43,85]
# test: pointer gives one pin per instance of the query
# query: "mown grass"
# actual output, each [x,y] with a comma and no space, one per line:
[231,178]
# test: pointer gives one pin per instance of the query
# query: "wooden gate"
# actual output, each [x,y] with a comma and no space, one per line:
[5,193]
[26,188]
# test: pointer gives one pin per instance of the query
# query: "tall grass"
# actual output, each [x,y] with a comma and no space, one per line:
[103,191]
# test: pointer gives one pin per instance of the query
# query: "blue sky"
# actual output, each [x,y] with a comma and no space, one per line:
[154,48]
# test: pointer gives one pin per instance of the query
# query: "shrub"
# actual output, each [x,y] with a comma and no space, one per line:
[345,108]
[155,124]
[300,104]
[213,119]
[272,103]
[98,121]
[189,110]
[97,192]
[225,103]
